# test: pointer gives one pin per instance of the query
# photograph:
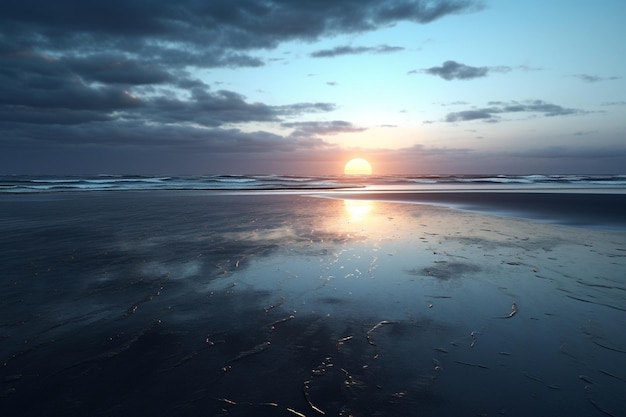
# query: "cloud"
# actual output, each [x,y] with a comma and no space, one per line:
[25,115]
[452,70]
[303,108]
[540,106]
[565,152]
[595,78]
[466,115]
[503,69]
[455,103]
[34,81]
[37,88]
[117,69]
[119,73]
[528,68]
[136,135]
[585,132]
[614,103]
[491,114]
[214,109]
[313,129]
[167,31]
[71,100]
[207,109]
[352,50]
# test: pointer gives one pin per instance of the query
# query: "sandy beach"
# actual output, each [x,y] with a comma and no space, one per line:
[186,303]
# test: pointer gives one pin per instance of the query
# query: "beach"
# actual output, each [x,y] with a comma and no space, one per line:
[190,302]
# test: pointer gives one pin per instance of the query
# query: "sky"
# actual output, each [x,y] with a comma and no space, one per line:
[197,87]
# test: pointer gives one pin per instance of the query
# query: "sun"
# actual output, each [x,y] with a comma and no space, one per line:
[358,166]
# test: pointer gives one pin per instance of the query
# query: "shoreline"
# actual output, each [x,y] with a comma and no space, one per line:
[592,209]
[604,211]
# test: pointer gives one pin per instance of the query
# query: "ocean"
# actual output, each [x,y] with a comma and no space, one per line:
[293,296]
[31,184]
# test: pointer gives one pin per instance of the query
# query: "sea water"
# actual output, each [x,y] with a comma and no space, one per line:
[31,184]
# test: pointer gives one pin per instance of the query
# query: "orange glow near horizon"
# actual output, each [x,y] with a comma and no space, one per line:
[358,166]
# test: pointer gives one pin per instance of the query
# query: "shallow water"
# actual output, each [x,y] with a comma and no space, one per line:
[181,303]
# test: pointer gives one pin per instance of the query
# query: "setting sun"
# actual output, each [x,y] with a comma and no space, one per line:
[358,166]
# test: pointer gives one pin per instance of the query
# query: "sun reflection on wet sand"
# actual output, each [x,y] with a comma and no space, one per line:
[358,210]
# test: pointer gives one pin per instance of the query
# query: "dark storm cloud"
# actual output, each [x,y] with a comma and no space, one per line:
[34,81]
[26,115]
[117,69]
[207,109]
[118,73]
[220,26]
[39,88]
[355,50]
[222,107]
[491,114]
[70,46]
[135,135]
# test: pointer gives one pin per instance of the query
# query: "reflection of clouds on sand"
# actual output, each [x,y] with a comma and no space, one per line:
[197,301]
[446,270]
[269,236]
[172,270]
[482,265]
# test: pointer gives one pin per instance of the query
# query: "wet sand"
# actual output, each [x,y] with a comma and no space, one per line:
[188,303]
[598,209]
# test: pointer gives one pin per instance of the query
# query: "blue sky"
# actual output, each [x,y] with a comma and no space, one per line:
[286,87]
